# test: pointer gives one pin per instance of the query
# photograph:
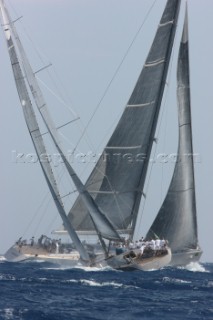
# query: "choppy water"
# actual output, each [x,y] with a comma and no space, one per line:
[40,291]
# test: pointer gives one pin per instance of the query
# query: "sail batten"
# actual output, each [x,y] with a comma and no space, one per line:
[166,23]
[123,164]
[176,219]
[123,147]
[140,105]
[154,63]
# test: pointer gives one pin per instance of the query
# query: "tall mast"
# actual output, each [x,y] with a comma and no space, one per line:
[117,180]
[150,64]
[35,133]
[104,226]
[176,220]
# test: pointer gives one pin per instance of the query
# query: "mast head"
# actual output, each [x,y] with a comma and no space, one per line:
[185,35]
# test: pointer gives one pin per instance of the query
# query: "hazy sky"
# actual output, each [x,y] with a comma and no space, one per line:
[85,40]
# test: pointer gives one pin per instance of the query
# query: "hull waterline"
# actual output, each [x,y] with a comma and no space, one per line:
[128,261]
[17,254]
[133,261]
[183,258]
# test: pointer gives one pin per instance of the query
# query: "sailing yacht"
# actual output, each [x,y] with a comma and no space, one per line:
[115,186]
[109,202]
[177,217]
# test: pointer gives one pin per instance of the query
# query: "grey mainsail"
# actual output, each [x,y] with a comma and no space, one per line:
[117,181]
[35,133]
[176,220]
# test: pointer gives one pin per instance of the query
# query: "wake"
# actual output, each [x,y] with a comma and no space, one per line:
[195,267]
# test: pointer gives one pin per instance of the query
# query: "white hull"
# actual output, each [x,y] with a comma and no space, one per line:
[17,254]
[183,258]
[119,262]
[138,262]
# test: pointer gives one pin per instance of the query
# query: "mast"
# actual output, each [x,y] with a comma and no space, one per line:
[35,133]
[177,219]
[149,63]
[117,181]
[101,222]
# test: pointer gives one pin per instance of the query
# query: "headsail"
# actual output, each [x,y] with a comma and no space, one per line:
[117,181]
[176,220]
[34,131]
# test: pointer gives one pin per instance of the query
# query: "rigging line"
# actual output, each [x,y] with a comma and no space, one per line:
[115,120]
[28,36]
[52,222]
[45,198]
[36,213]
[72,111]
[58,98]
[48,203]
[62,100]
[116,72]
[37,50]
[158,130]
[164,147]
[41,218]
[81,126]
[70,143]
[54,219]
[114,196]
[59,176]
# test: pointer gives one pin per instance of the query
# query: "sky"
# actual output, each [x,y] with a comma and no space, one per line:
[85,41]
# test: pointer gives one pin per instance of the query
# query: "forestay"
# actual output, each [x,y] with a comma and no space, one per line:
[117,181]
[176,220]
[34,130]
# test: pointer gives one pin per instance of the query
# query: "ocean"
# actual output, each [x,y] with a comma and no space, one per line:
[41,291]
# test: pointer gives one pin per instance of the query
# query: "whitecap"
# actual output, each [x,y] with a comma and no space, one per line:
[56,268]
[174,280]
[93,283]
[210,284]
[8,313]
[195,267]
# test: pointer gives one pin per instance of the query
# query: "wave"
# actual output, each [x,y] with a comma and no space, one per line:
[176,281]
[194,267]
[93,283]
[79,267]
[84,282]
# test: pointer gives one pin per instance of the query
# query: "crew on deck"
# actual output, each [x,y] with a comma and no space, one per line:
[141,244]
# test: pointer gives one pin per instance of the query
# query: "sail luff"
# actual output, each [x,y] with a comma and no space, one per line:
[177,218]
[35,133]
[155,119]
[104,226]
[116,182]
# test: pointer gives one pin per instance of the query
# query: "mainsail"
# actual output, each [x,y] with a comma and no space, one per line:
[117,181]
[34,131]
[176,220]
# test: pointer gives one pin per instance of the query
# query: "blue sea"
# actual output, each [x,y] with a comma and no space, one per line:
[41,291]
